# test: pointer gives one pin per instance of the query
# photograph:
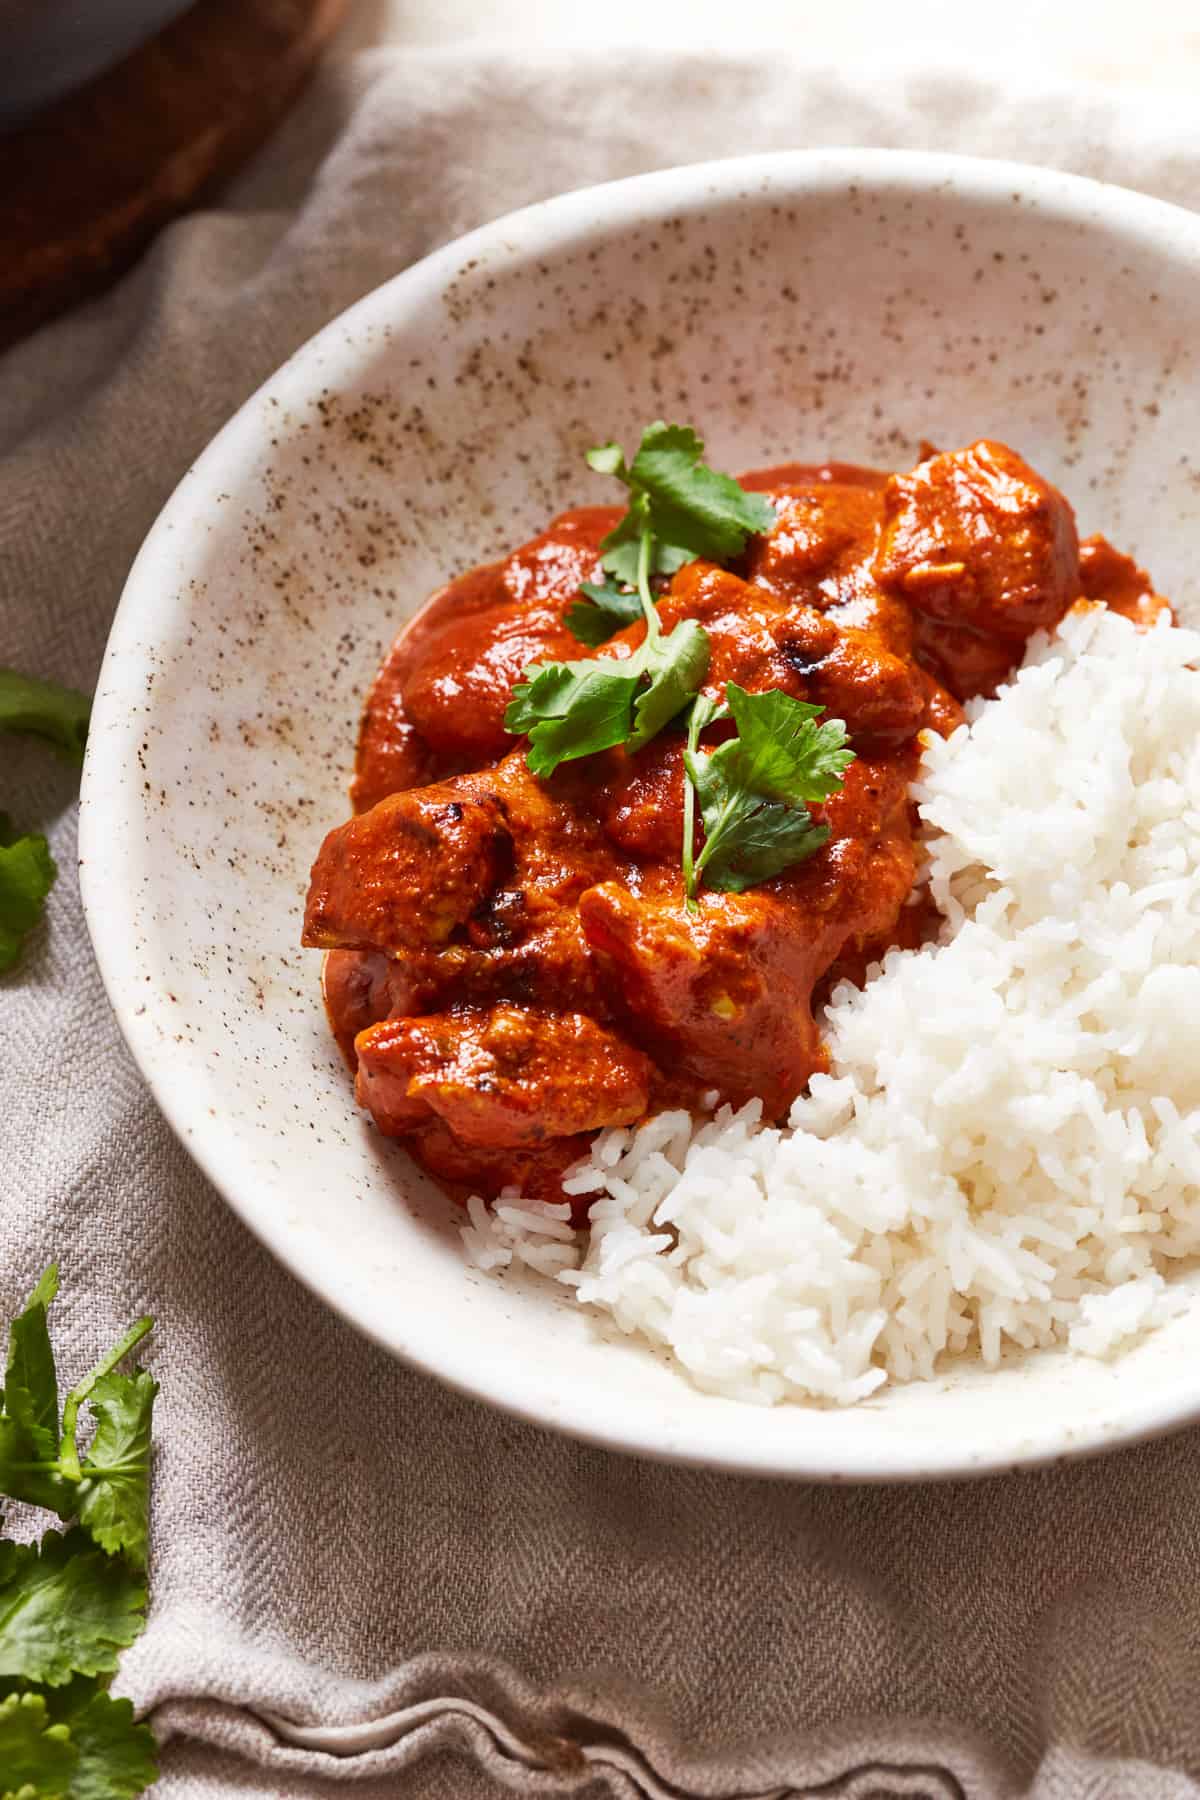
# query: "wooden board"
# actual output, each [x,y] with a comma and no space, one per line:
[86,184]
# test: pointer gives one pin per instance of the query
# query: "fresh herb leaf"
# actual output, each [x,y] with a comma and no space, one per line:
[30,1378]
[692,506]
[69,1605]
[572,709]
[753,839]
[705,712]
[622,547]
[27,874]
[608,459]
[779,751]
[602,612]
[116,1756]
[39,1460]
[66,1608]
[753,789]
[68,1453]
[114,1499]
[38,1761]
[676,665]
[45,708]
[29,1409]
[689,509]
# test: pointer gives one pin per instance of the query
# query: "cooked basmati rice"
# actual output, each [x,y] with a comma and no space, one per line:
[1007,1148]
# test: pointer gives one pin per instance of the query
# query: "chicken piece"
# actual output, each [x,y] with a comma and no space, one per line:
[641,800]
[525,941]
[510,1076]
[360,988]
[461,1170]
[976,539]
[403,875]
[723,995]
[470,886]
[458,698]
[822,530]
[853,673]
[962,661]
[846,663]
[1110,576]
[457,690]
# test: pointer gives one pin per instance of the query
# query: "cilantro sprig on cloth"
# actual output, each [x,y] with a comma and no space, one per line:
[27,870]
[754,790]
[27,873]
[46,709]
[70,1604]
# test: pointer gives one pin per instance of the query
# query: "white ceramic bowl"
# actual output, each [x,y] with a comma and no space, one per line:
[846,303]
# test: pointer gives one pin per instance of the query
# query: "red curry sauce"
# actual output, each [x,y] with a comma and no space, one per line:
[511,966]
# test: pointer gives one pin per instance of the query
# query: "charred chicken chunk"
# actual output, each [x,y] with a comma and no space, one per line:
[403,875]
[725,994]
[976,539]
[510,1076]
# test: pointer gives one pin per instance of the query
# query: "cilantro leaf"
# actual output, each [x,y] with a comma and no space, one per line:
[679,509]
[117,1758]
[602,612]
[45,708]
[39,1461]
[690,509]
[620,550]
[30,1378]
[757,840]
[27,873]
[676,665]
[68,1605]
[779,750]
[66,1608]
[114,1499]
[37,1758]
[572,709]
[608,459]
[753,789]
[29,1409]
[692,505]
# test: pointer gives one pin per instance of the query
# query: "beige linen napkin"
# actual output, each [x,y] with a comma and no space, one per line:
[361,1580]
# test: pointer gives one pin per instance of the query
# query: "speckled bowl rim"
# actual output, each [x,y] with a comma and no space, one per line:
[107,808]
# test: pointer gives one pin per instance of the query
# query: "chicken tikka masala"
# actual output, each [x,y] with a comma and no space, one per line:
[625,811]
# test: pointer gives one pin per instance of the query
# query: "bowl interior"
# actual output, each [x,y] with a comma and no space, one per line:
[833,303]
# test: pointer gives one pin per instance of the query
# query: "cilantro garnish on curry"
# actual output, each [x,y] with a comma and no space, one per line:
[630,802]
[753,791]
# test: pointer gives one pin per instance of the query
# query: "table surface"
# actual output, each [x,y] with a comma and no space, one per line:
[1154,43]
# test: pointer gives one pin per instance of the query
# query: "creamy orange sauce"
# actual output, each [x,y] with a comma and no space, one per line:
[511,966]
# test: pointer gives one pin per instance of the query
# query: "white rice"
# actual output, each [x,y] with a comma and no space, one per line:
[1007,1150]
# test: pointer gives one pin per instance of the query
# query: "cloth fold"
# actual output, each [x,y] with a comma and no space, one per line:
[360,1578]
